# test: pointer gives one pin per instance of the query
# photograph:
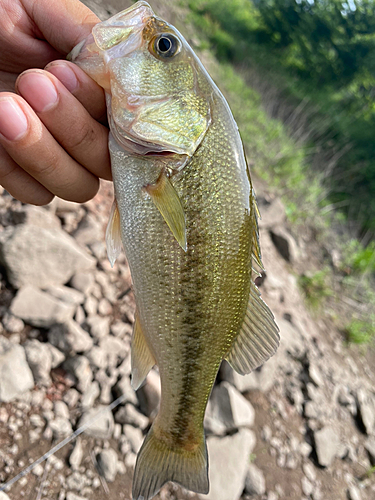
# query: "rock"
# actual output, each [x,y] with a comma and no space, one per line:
[229,459]
[90,395]
[129,415]
[99,327]
[104,307]
[70,338]
[34,255]
[97,357]
[66,294]
[15,374]
[107,462]
[36,216]
[39,308]
[100,421]
[89,231]
[72,496]
[134,436]
[79,366]
[309,471]
[57,357]
[61,409]
[272,212]
[327,445]
[76,456]
[315,374]
[261,379]
[230,408]
[354,493]
[71,398]
[284,243]
[3,496]
[12,324]
[307,487]
[255,483]
[39,358]
[123,387]
[366,410]
[149,394]
[370,447]
[114,348]
[61,427]
[83,282]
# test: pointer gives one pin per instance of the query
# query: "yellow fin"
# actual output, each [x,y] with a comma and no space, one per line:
[258,338]
[158,463]
[142,359]
[166,199]
[113,234]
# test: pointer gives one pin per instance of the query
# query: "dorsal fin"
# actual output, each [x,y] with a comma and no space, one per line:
[257,339]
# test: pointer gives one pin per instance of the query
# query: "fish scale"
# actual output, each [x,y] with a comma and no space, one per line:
[186,215]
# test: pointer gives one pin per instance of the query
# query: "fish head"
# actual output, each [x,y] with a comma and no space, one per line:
[157,97]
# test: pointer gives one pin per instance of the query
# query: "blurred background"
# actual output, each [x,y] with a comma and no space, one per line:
[299,76]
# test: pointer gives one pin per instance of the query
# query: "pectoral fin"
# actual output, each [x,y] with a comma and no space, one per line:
[113,234]
[142,359]
[166,199]
[258,338]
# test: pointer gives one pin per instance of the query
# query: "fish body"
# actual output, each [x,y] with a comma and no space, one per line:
[186,215]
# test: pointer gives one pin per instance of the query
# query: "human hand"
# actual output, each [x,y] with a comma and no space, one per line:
[51,138]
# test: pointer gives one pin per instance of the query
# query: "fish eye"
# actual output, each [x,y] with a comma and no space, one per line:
[166,45]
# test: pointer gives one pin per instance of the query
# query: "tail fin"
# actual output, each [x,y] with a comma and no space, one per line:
[157,464]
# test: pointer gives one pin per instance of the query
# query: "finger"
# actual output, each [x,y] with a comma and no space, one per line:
[88,92]
[33,148]
[79,134]
[20,184]
[72,21]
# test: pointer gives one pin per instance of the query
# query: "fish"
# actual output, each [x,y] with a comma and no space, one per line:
[186,214]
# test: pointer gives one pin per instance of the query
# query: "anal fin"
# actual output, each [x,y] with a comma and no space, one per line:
[258,338]
[142,359]
[113,234]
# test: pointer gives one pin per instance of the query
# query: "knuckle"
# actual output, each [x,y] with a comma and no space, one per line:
[83,139]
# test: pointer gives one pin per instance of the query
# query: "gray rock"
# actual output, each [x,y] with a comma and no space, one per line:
[71,398]
[3,496]
[285,243]
[100,422]
[114,348]
[367,414]
[39,308]
[230,408]
[72,496]
[36,216]
[76,456]
[79,366]
[104,307]
[34,255]
[90,395]
[12,324]
[309,471]
[76,481]
[134,436]
[327,444]
[149,394]
[83,282]
[99,327]
[261,379]
[97,357]
[57,357]
[61,409]
[39,358]
[107,462]
[91,306]
[88,231]
[70,338]
[123,387]
[66,294]
[229,459]
[370,447]
[255,483]
[61,427]
[354,493]
[15,374]
[129,415]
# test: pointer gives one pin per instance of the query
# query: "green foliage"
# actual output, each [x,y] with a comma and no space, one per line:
[361,332]
[315,287]
[322,51]
[358,258]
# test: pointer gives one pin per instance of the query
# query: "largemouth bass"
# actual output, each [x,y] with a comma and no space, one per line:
[187,217]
